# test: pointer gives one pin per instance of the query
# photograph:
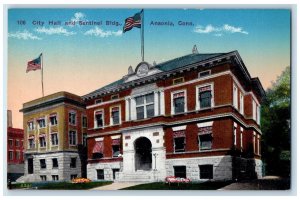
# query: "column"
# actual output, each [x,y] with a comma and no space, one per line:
[162,102]
[127,110]
[156,104]
[133,109]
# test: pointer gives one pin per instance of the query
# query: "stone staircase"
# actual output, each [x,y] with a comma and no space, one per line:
[28,178]
[137,176]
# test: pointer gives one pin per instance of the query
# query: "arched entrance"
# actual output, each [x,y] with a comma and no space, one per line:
[143,154]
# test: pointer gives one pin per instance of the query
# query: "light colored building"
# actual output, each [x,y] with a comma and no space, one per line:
[55,131]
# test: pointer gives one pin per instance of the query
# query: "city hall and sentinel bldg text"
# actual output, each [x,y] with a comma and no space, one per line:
[196,116]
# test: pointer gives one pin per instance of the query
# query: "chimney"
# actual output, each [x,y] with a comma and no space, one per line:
[9,118]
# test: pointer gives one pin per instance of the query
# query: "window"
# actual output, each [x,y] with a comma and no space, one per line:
[43,177]
[100,174]
[253,140]
[116,96]
[180,171]
[43,163]
[55,178]
[115,147]
[17,143]
[98,149]
[84,139]
[11,155]
[73,176]
[42,141]
[241,137]
[115,115]
[30,125]
[54,139]
[53,119]
[84,121]
[18,155]
[234,134]
[10,143]
[98,101]
[99,119]
[145,106]
[179,141]
[241,103]
[41,122]
[179,102]
[205,137]
[205,96]
[72,117]
[258,115]
[258,144]
[21,143]
[72,138]
[206,171]
[235,97]
[204,73]
[178,80]
[73,163]
[254,109]
[31,143]
[54,163]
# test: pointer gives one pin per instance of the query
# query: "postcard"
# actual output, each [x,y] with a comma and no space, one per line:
[148,99]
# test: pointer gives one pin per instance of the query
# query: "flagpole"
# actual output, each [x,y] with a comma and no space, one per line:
[42,62]
[142,36]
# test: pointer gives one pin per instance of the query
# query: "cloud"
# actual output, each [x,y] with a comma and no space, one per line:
[55,31]
[226,28]
[79,16]
[233,29]
[98,32]
[25,35]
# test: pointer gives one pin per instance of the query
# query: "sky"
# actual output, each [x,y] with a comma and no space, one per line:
[82,58]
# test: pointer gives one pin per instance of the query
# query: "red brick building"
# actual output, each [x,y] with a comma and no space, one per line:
[15,150]
[196,116]
[15,145]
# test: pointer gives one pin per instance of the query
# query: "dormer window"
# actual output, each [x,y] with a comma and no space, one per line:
[178,80]
[116,96]
[204,73]
[98,101]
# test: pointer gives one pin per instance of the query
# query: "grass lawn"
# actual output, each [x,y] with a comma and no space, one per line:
[60,185]
[181,186]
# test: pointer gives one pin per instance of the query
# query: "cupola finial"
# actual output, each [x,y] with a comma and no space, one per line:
[130,70]
[195,50]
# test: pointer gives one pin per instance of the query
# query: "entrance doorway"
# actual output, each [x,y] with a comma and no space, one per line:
[30,165]
[143,154]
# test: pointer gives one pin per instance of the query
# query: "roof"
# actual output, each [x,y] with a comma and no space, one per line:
[168,66]
[185,60]
[51,100]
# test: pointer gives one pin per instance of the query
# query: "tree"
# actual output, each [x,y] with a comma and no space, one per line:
[275,125]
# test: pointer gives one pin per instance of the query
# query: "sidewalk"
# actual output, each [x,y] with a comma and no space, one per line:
[117,186]
[265,183]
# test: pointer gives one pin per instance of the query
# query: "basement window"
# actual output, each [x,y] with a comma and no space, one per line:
[206,171]
[43,163]
[100,174]
[180,171]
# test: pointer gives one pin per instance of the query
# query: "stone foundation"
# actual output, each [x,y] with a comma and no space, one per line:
[222,167]
[64,171]
[107,167]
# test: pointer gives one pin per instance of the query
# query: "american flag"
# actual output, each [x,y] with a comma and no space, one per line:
[34,64]
[135,21]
